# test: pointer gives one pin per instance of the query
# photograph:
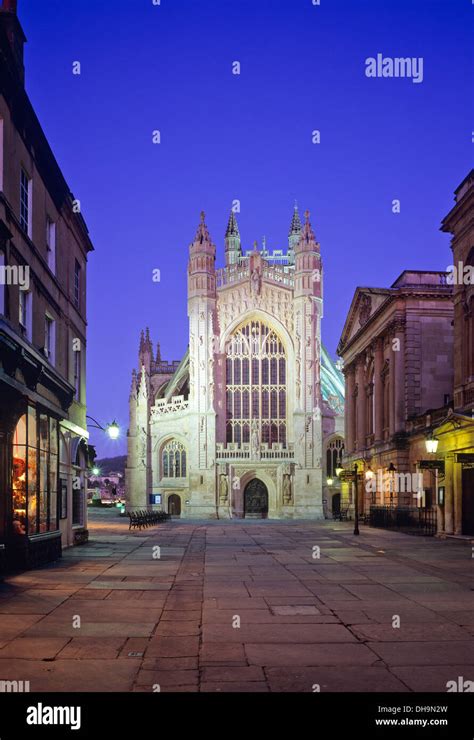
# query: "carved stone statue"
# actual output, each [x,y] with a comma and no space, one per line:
[287,495]
[255,282]
[223,490]
[255,441]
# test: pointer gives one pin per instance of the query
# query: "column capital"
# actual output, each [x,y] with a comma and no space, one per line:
[377,343]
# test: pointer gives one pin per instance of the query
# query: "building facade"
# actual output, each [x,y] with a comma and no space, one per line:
[44,245]
[238,427]
[456,432]
[409,370]
[397,347]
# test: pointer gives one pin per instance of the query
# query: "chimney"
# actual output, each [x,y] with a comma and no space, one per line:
[14,33]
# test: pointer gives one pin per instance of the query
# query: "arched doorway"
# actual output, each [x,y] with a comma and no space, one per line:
[174,505]
[336,505]
[256,500]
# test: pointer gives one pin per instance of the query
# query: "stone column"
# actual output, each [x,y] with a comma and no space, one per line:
[399,378]
[378,389]
[361,403]
[457,477]
[349,405]
[449,494]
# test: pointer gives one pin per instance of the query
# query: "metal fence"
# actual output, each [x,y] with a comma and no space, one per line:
[408,519]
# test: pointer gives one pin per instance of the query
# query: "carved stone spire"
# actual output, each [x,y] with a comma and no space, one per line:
[294,235]
[233,250]
[133,388]
[295,227]
[202,233]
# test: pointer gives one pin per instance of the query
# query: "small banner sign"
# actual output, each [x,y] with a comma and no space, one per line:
[465,457]
[431,465]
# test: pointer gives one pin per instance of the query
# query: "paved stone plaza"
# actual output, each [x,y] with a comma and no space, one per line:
[174,621]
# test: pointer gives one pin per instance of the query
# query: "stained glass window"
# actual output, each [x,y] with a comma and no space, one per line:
[173,460]
[256,384]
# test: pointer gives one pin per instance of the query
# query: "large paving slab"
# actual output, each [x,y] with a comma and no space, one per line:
[242,606]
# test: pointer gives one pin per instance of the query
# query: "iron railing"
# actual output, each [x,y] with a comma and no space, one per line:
[408,519]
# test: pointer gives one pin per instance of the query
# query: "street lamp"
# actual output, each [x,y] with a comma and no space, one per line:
[95,471]
[369,474]
[356,517]
[330,481]
[112,430]
[431,444]
[338,471]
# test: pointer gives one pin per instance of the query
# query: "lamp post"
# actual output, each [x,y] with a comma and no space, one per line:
[356,513]
[352,476]
[391,470]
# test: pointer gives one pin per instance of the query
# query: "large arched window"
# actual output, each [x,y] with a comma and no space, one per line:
[334,453]
[255,385]
[173,460]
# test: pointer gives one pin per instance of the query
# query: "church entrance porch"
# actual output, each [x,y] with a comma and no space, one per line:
[256,500]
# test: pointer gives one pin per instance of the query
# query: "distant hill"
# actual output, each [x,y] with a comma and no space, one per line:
[112,464]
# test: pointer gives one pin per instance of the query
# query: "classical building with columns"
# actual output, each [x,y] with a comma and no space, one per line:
[409,368]
[397,347]
[241,425]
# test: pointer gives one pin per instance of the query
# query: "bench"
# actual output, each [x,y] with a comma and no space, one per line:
[146,518]
[342,515]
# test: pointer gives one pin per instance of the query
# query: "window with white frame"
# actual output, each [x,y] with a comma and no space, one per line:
[173,460]
[25,202]
[255,385]
[50,338]
[24,313]
[51,244]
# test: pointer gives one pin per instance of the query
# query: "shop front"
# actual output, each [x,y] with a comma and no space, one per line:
[30,507]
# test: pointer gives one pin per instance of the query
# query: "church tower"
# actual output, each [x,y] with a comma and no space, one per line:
[233,251]
[202,323]
[138,470]
[308,304]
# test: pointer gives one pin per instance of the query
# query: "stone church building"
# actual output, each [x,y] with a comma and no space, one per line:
[244,424]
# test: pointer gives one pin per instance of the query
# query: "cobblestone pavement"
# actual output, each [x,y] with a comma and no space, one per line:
[242,606]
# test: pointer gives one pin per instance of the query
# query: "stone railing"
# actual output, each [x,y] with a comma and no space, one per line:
[235,451]
[165,408]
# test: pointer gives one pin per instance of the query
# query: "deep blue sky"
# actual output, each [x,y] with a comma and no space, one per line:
[168,67]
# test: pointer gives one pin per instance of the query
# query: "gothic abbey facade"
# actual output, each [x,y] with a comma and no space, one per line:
[244,424]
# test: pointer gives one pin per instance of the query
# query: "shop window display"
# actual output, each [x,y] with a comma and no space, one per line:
[35,474]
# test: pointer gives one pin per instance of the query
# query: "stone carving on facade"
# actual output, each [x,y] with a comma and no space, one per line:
[255,441]
[236,303]
[365,309]
[163,407]
[223,490]
[287,490]
[255,282]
